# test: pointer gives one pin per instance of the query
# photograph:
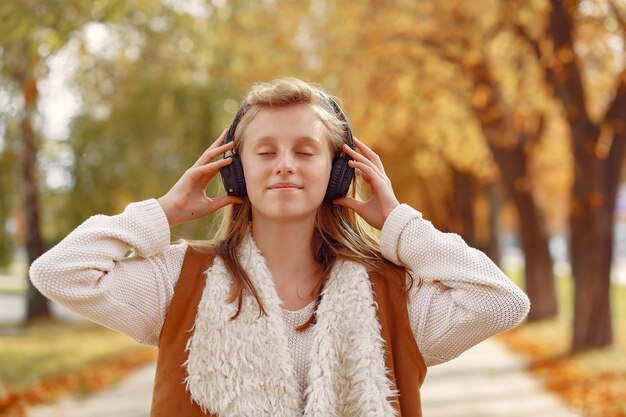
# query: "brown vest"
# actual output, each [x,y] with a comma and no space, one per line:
[402,357]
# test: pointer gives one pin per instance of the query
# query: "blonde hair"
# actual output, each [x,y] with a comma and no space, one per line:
[338,233]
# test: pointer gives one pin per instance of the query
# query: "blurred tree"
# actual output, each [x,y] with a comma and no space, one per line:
[20,64]
[32,31]
[8,174]
[448,121]
[580,44]
[258,41]
[449,44]
[510,147]
[389,105]
[161,89]
[149,111]
[511,127]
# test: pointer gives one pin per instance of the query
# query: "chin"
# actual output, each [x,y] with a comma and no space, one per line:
[287,212]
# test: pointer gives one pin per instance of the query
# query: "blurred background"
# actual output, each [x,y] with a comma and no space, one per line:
[502,120]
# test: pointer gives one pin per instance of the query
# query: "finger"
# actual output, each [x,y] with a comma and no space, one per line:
[368,172]
[212,152]
[348,202]
[215,165]
[218,142]
[362,159]
[225,200]
[206,172]
[370,154]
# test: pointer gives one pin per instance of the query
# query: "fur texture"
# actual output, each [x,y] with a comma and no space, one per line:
[242,367]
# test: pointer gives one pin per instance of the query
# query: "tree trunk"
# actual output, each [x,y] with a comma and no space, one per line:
[466,189]
[591,222]
[591,267]
[6,241]
[37,303]
[596,178]
[462,211]
[537,260]
[510,156]
[492,247]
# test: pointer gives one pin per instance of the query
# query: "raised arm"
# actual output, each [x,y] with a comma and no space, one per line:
[463,297]
[88,271]
[460,296]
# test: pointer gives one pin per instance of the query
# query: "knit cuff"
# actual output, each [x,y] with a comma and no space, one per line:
[153,222]
[392,229]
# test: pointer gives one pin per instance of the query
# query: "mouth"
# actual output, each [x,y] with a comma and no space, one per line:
[286,186]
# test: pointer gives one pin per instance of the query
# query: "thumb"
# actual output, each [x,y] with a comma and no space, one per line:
[225,200]
[348,202]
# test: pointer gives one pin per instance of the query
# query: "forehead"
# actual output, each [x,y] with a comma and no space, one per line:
[286,123]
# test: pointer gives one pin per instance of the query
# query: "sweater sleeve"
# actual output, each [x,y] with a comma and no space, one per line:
[459,297]
[90,273]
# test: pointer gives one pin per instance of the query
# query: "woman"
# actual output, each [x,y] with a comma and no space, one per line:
[296,309]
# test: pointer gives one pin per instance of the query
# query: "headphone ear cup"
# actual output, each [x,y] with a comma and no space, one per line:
[341,176]
[233,177]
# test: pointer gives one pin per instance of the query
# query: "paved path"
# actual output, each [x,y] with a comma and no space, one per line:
[13,310]
[486,381]
[130,398]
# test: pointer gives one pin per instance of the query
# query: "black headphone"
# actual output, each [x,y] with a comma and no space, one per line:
[340,176]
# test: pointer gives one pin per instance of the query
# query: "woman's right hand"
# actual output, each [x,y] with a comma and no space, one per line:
[187,200]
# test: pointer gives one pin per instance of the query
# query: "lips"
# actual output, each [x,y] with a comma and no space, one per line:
[285,186]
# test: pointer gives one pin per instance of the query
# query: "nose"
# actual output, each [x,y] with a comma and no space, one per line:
[285,163]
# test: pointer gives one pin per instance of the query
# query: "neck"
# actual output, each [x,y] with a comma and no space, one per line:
[288,248]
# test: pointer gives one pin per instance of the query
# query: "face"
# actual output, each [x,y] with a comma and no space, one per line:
[287,159]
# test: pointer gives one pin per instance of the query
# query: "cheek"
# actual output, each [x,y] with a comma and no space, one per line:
[250,168]
[323,175]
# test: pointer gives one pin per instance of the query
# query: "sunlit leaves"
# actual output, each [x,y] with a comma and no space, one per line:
[401,70]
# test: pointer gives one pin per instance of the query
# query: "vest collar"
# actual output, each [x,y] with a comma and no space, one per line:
[243,366]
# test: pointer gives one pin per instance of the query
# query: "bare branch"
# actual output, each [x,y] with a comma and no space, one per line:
[440,52]
[495,30]
[508,19]
[522,33]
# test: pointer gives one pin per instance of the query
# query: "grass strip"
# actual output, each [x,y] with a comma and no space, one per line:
[45,360]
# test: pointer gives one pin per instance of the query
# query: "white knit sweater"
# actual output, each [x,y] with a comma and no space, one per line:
[463,299]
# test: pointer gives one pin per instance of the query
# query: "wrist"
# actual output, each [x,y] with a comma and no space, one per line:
[169,210]
[389,208]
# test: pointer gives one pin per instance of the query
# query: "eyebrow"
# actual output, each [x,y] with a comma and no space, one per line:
[300,139]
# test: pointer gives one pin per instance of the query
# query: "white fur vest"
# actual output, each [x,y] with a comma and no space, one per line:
[242,367]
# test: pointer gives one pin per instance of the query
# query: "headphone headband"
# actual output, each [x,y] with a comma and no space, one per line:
[343,118]
[230,136]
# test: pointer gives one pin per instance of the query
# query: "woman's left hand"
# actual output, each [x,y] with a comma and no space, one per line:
[383,200]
